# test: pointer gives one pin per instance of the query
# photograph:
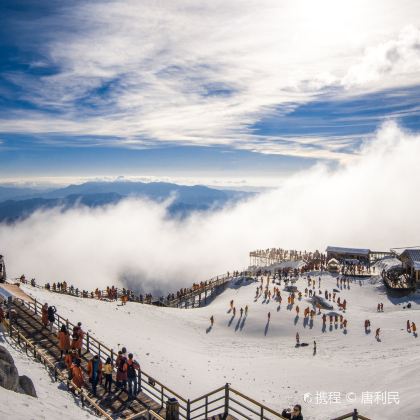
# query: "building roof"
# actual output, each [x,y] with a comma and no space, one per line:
[349,251]
[414,256]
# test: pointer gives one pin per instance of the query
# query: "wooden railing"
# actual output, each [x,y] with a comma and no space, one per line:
[176,302]
[224,399]
[228,400]
[353,416]
[31,348]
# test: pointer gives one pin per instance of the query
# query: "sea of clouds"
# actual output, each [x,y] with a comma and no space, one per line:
[370,201]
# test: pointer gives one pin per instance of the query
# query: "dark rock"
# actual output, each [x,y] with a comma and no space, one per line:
[27,386]
[6,356]
[9,376]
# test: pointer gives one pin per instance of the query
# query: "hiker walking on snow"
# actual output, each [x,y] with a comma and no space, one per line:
[246,310]
[297,339]
[212,320]
[413,328]
[408,326]
[378,330]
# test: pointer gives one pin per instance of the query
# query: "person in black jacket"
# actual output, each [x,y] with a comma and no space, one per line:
[295,414]
[51,316]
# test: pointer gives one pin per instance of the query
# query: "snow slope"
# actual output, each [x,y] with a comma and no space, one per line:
[175,346]
[53,400]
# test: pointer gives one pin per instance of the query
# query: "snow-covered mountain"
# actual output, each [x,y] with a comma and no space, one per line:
[260,359]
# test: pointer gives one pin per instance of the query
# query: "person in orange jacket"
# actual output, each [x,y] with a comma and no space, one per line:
[94,370]
[63,340]
[68,359]
[44,315]
[77,338]
[77,374]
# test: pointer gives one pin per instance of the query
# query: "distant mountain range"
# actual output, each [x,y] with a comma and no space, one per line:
[18,203]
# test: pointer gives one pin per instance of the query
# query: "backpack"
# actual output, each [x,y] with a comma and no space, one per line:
[131,371]
[122,363]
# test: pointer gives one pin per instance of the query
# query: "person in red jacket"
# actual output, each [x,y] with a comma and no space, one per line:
[121,364]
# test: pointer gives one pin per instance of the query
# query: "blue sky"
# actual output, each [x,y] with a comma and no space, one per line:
[240,90]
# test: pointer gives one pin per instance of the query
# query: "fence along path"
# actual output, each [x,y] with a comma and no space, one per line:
[26,323]
[224,402]
[195,297]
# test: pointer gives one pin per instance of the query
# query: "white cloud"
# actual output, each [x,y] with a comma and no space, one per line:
[395,62]
[371,201]
[161,62]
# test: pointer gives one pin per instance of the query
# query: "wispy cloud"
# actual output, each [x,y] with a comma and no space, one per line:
[202,74]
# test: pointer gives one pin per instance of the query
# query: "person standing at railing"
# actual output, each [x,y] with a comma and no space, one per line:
[94,370]
[77,338]
[51,316]
[44,315]
[133,368]
[121,364]
[63,340]
[107,371]
[77,374]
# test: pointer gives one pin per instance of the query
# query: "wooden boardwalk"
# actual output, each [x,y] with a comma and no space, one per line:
[117,404]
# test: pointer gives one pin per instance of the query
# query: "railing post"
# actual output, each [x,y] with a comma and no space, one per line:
[87,341]
[355,414]
[161,395]
[226,400]
[188,409]
[139,379]
[36,310]
[112,356]
[207,406]
[262,413]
